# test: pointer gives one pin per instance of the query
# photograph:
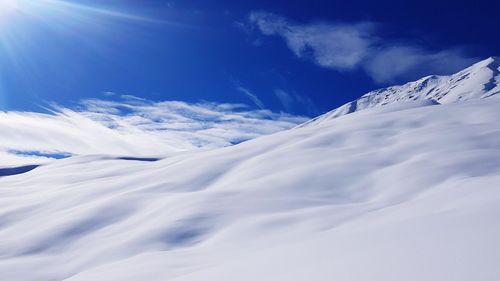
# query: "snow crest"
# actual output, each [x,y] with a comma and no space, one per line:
[481,80]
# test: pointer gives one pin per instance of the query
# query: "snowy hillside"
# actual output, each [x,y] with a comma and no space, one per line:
[402,192]
[482,80]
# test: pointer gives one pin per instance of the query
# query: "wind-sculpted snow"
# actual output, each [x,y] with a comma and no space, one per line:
[480,81]
[400,192]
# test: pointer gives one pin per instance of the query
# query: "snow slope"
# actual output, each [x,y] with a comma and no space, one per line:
[481,80]
[407,191]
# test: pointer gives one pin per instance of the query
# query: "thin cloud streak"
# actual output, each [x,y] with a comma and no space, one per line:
[253,97]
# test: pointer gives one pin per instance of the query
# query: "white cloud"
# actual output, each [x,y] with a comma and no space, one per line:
[392,62]
[134,127]
[352,46]
[335,46]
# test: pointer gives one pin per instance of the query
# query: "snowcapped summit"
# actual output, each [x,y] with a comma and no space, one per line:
[479,81]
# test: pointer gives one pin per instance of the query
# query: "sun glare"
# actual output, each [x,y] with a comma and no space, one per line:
[22,23]
[7,8]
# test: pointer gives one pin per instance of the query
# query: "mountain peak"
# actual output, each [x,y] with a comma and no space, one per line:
[479,81]
[491,61]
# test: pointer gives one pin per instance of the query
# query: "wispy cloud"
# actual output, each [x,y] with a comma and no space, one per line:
[391,62]
[133,126]
[293,101]
[253,97]
[350,46]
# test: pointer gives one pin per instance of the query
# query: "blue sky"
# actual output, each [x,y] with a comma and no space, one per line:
[299,57]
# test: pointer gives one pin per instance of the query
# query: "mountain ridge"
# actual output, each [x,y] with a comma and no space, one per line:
[479,81]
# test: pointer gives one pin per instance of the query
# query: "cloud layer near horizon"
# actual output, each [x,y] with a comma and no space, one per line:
[132,127]
[351,46]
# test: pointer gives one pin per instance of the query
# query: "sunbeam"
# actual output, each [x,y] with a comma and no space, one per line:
[7,7]
[71,6]
[10,7]
[33,31]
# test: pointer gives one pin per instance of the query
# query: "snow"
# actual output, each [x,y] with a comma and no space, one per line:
[406,191]
[481,80]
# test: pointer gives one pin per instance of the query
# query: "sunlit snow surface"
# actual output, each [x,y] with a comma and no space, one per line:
[402,192]
[479,81]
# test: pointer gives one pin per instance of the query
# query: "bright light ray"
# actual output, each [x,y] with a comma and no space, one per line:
[7,7]
[101,11]
[29,26]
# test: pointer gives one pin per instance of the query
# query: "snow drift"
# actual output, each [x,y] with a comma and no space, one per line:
[406,191]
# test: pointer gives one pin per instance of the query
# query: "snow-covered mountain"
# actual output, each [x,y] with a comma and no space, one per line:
[481,80]
[407,191]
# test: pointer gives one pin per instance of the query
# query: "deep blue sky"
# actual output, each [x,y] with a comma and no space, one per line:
[206,50]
